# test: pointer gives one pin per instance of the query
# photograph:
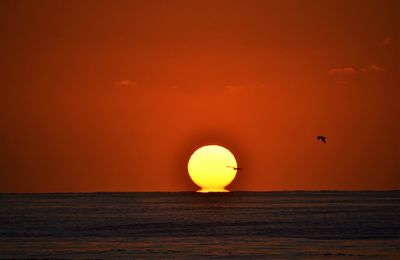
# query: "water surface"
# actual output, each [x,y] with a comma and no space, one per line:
[193,225]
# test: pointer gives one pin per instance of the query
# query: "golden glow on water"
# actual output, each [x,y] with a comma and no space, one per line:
[208,168]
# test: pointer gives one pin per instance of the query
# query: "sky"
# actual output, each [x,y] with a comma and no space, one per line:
[116,95]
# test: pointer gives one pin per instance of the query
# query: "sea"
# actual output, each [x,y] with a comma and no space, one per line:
[190,225]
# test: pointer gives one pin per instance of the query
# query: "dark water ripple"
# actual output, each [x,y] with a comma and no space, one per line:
[240,224]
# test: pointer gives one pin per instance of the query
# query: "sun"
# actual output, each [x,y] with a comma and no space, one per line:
[208,168]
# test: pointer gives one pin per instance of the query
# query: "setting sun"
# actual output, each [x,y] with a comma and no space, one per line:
[212,168]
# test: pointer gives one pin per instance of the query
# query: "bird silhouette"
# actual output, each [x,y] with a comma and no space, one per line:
[322,138]
[235,168]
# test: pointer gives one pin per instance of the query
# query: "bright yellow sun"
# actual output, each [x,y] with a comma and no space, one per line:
[208,168]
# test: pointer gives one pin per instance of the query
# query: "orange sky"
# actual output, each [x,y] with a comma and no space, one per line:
[116,95]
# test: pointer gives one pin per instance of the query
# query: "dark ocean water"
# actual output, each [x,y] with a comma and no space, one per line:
[184,225]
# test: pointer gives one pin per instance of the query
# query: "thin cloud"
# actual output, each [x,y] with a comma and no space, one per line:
[344,70]
[232,88]
[371,68]
[126,83]
[387,41]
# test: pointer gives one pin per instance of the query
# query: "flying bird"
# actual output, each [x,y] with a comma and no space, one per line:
[322,138]
[235,168]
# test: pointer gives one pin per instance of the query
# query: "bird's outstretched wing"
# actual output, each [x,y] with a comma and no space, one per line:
[235,168]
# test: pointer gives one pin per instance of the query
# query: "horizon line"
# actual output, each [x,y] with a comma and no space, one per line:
[195,192]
